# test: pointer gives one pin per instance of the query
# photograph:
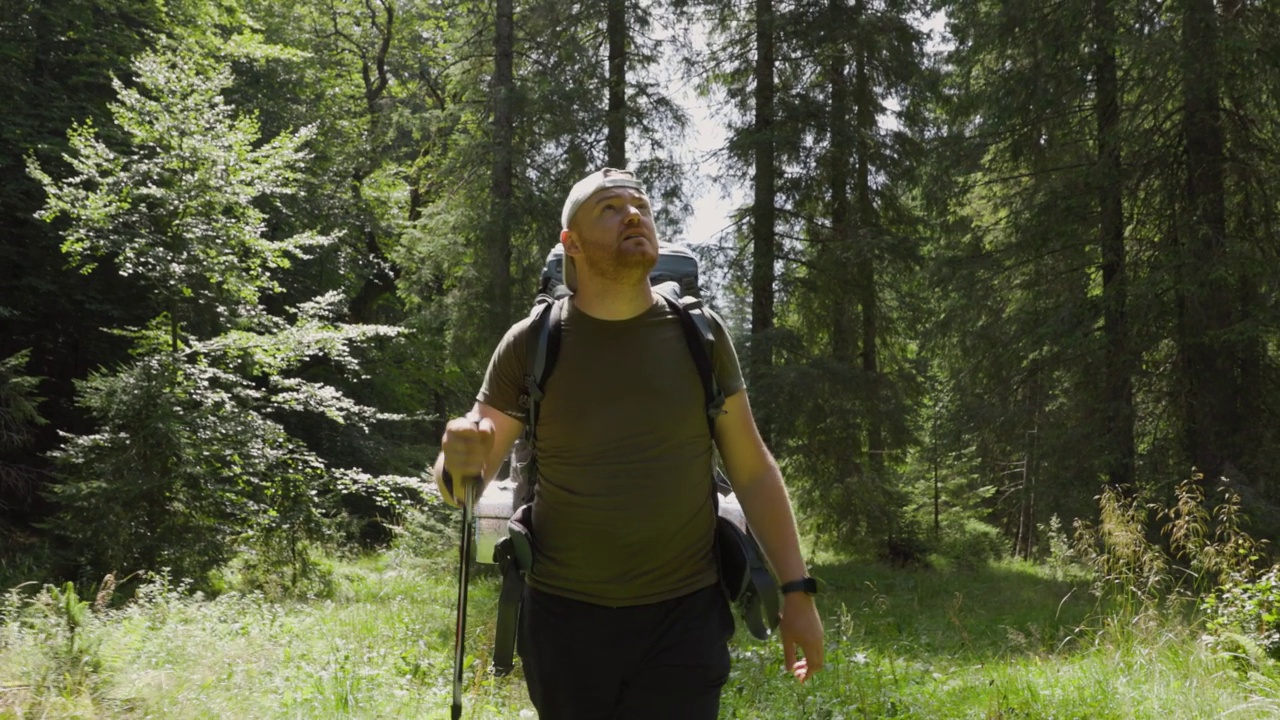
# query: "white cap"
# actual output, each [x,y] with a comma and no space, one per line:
[594,183]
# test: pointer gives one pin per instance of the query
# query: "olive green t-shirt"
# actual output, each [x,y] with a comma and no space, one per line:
[622,512]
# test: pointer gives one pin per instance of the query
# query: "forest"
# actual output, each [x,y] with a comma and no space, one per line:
[986,259]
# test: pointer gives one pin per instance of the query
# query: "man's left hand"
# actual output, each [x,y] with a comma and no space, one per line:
[801,627]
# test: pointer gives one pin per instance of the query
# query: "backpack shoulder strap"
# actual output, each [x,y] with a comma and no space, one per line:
[541,348]
[699,334]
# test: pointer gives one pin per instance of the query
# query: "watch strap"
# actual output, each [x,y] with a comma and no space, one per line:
[805,585]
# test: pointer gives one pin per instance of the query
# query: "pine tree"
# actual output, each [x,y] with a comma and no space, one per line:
[816,148]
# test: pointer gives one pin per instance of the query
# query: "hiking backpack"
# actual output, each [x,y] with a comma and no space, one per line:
[503,511]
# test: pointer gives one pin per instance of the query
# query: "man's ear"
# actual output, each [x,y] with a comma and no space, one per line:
[569,240]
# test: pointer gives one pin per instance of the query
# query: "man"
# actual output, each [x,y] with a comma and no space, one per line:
[623,616]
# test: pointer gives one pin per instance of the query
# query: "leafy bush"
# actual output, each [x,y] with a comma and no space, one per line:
[1247,608]
[907,549]
[281,568]
[970,542]
[426,530]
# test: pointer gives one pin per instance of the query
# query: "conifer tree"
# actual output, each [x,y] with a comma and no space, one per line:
[835,406]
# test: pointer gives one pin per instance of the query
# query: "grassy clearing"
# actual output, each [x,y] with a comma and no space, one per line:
[1003,641]
[1006,641]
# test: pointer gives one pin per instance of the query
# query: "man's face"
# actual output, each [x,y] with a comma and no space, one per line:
[616,237]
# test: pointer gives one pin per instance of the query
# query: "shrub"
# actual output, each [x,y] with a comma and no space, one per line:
[970,542]
[1247,608]
[904,550]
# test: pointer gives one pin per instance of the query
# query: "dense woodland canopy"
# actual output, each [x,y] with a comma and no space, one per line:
[252,252]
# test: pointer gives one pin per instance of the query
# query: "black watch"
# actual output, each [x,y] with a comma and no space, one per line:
[806,585]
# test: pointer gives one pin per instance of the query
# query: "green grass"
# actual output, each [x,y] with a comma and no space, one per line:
[1004,641]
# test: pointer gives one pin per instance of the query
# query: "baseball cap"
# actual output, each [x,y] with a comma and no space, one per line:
[594,183]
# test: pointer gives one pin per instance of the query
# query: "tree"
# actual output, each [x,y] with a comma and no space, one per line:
[1018,323]
[763,205]
[498,244]
[815,152]
[1205,315]
[1100,181]
[1118,426]
[19,417]
[389,89]
[191,459]
[55,67]
[616,29]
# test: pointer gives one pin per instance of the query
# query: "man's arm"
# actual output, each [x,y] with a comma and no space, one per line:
[474,446]
[757,482]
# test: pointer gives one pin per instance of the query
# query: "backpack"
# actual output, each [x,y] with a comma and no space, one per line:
[744,577]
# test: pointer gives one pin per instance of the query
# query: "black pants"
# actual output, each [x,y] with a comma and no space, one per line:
[589,662]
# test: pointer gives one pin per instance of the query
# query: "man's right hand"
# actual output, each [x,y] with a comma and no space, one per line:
[465,448]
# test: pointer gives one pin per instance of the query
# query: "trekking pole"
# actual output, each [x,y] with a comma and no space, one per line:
[464,559]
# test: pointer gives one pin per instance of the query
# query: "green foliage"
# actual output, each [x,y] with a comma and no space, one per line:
[183,206]
[1244,614]
[193,458]
[1003,641]
[61,624]
[1226,574]
[66,606]
[838,398]
[1060,554]
[970,543]
[278,568]
[180,470]
[426,530]
[1238,593]
[18,401]
[1127,568]
[19,416]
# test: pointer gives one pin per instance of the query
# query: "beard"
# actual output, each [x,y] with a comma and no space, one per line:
[622,263]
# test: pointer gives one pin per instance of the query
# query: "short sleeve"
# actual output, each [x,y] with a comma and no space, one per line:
[728,371]
[504,379]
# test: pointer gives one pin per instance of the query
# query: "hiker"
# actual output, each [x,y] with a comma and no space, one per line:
[623,615]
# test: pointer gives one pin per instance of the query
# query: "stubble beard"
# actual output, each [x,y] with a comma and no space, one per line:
[620,264]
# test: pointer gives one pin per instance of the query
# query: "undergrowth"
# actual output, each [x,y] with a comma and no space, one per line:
[1149,612]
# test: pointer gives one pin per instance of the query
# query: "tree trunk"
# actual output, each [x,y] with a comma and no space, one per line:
[1249,232]
[864,97]
[383,273]
[617,114]
[1206,299]
[763,208]
[840,159]
[1118,418]
[498,245]
[837,267]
